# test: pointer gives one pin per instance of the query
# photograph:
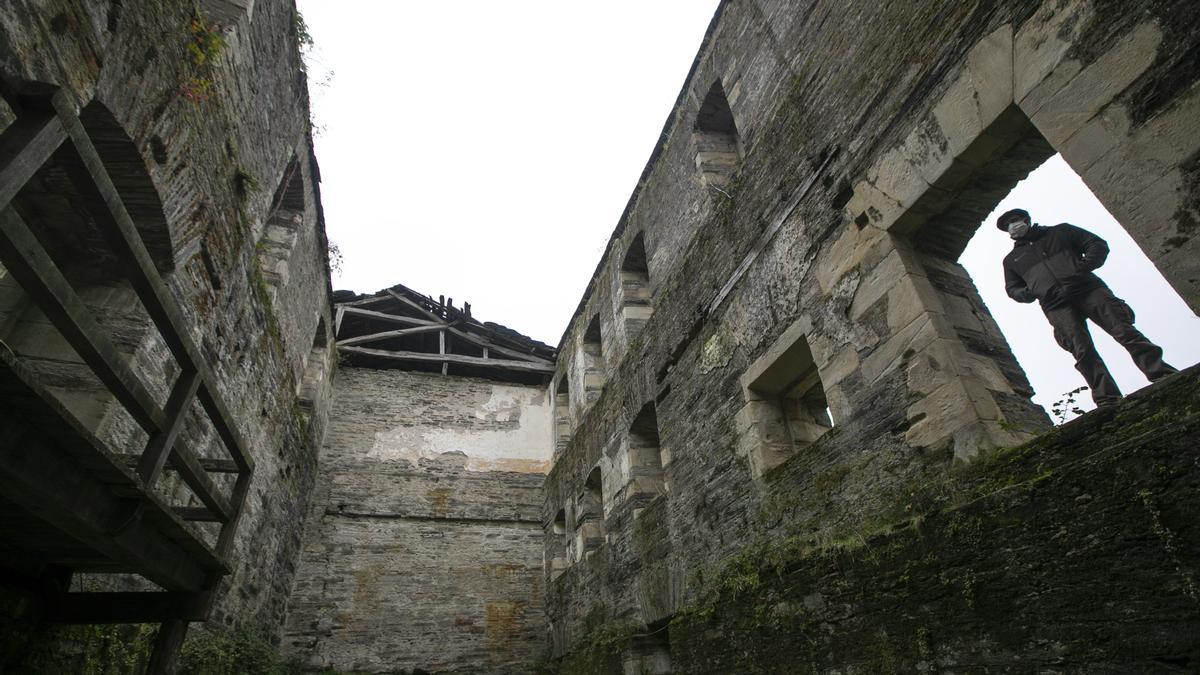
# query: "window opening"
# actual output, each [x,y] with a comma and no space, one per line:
[1053,193]
[786,407]
[593,361]
[558,541]
[715,137]
[646,476]
[562,414]
[589,518]
[283,224]
[636,306]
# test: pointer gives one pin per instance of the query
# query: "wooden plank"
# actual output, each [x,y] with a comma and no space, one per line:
[159,448]
[416,306]
[31,266]
[393,318]
[126,607]
[480,341]
[196,514]
[25,146]
[167,645]
[188,466]
[503,364]
[337,321]
[209,464]
[122,236]
[366,301]
[81,453]
[44,480]
[241,491]
[375,337]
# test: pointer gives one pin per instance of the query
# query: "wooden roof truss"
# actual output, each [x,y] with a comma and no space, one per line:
[400,328]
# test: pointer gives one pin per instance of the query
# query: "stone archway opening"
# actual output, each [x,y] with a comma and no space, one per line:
[960,251]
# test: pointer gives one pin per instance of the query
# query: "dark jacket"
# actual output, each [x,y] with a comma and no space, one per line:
[1053,265]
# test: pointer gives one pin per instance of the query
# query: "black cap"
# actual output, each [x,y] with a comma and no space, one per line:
[1009,216]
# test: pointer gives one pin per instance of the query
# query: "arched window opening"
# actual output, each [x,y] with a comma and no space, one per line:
[593,361]
[562,414]
[589,515]
[715,136]
[636,306]
[282,227]
[557,543]
[646,460]
[316,366]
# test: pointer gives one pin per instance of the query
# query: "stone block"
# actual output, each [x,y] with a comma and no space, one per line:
[909,297]
[839,367]
[896,176]
[845,254]
[876,284]
[888,355]
[1059,115]
[1096,138]
[870,206]
[1042,42]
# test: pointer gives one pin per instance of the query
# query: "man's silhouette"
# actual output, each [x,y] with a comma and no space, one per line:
[1054,266]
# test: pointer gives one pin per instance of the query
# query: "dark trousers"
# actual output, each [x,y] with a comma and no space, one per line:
[1116,318]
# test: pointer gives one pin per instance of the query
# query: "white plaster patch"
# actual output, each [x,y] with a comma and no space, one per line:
[523,447]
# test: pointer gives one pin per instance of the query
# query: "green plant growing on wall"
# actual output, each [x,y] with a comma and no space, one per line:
[1066,405]
[205,42]
[239,652]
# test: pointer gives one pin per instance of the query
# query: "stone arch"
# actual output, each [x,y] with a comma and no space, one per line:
[127,169]
[1018,98]
[715,138]
[636,297]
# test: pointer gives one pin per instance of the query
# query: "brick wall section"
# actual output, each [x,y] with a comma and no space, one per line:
[419,552]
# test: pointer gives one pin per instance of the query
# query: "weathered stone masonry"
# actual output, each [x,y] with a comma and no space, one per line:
[870,141]
[423,549]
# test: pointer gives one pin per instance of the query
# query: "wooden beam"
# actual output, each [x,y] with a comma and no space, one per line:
[428,314]
[375,337]
[188,466]
[241,491]
[393,318]
[126,607]
[118,228]
[167,645]
[196,514]
[25,146]
[210,465]
[31,266]
[36,474]
[159,448]
[337,321]
[480,341]
[503,364]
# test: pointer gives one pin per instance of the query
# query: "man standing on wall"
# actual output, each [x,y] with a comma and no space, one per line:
[1054,266]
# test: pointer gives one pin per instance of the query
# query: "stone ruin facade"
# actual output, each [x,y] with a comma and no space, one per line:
[781,433]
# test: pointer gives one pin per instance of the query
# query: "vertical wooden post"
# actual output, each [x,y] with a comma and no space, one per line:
[165,657]
[442,350]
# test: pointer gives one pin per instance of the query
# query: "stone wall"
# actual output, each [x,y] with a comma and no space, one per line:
[203,144]
[871,140]
[423,549]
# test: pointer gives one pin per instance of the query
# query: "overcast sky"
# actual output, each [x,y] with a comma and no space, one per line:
[484,151]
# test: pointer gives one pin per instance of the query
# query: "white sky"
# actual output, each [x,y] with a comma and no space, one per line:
[485,150]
